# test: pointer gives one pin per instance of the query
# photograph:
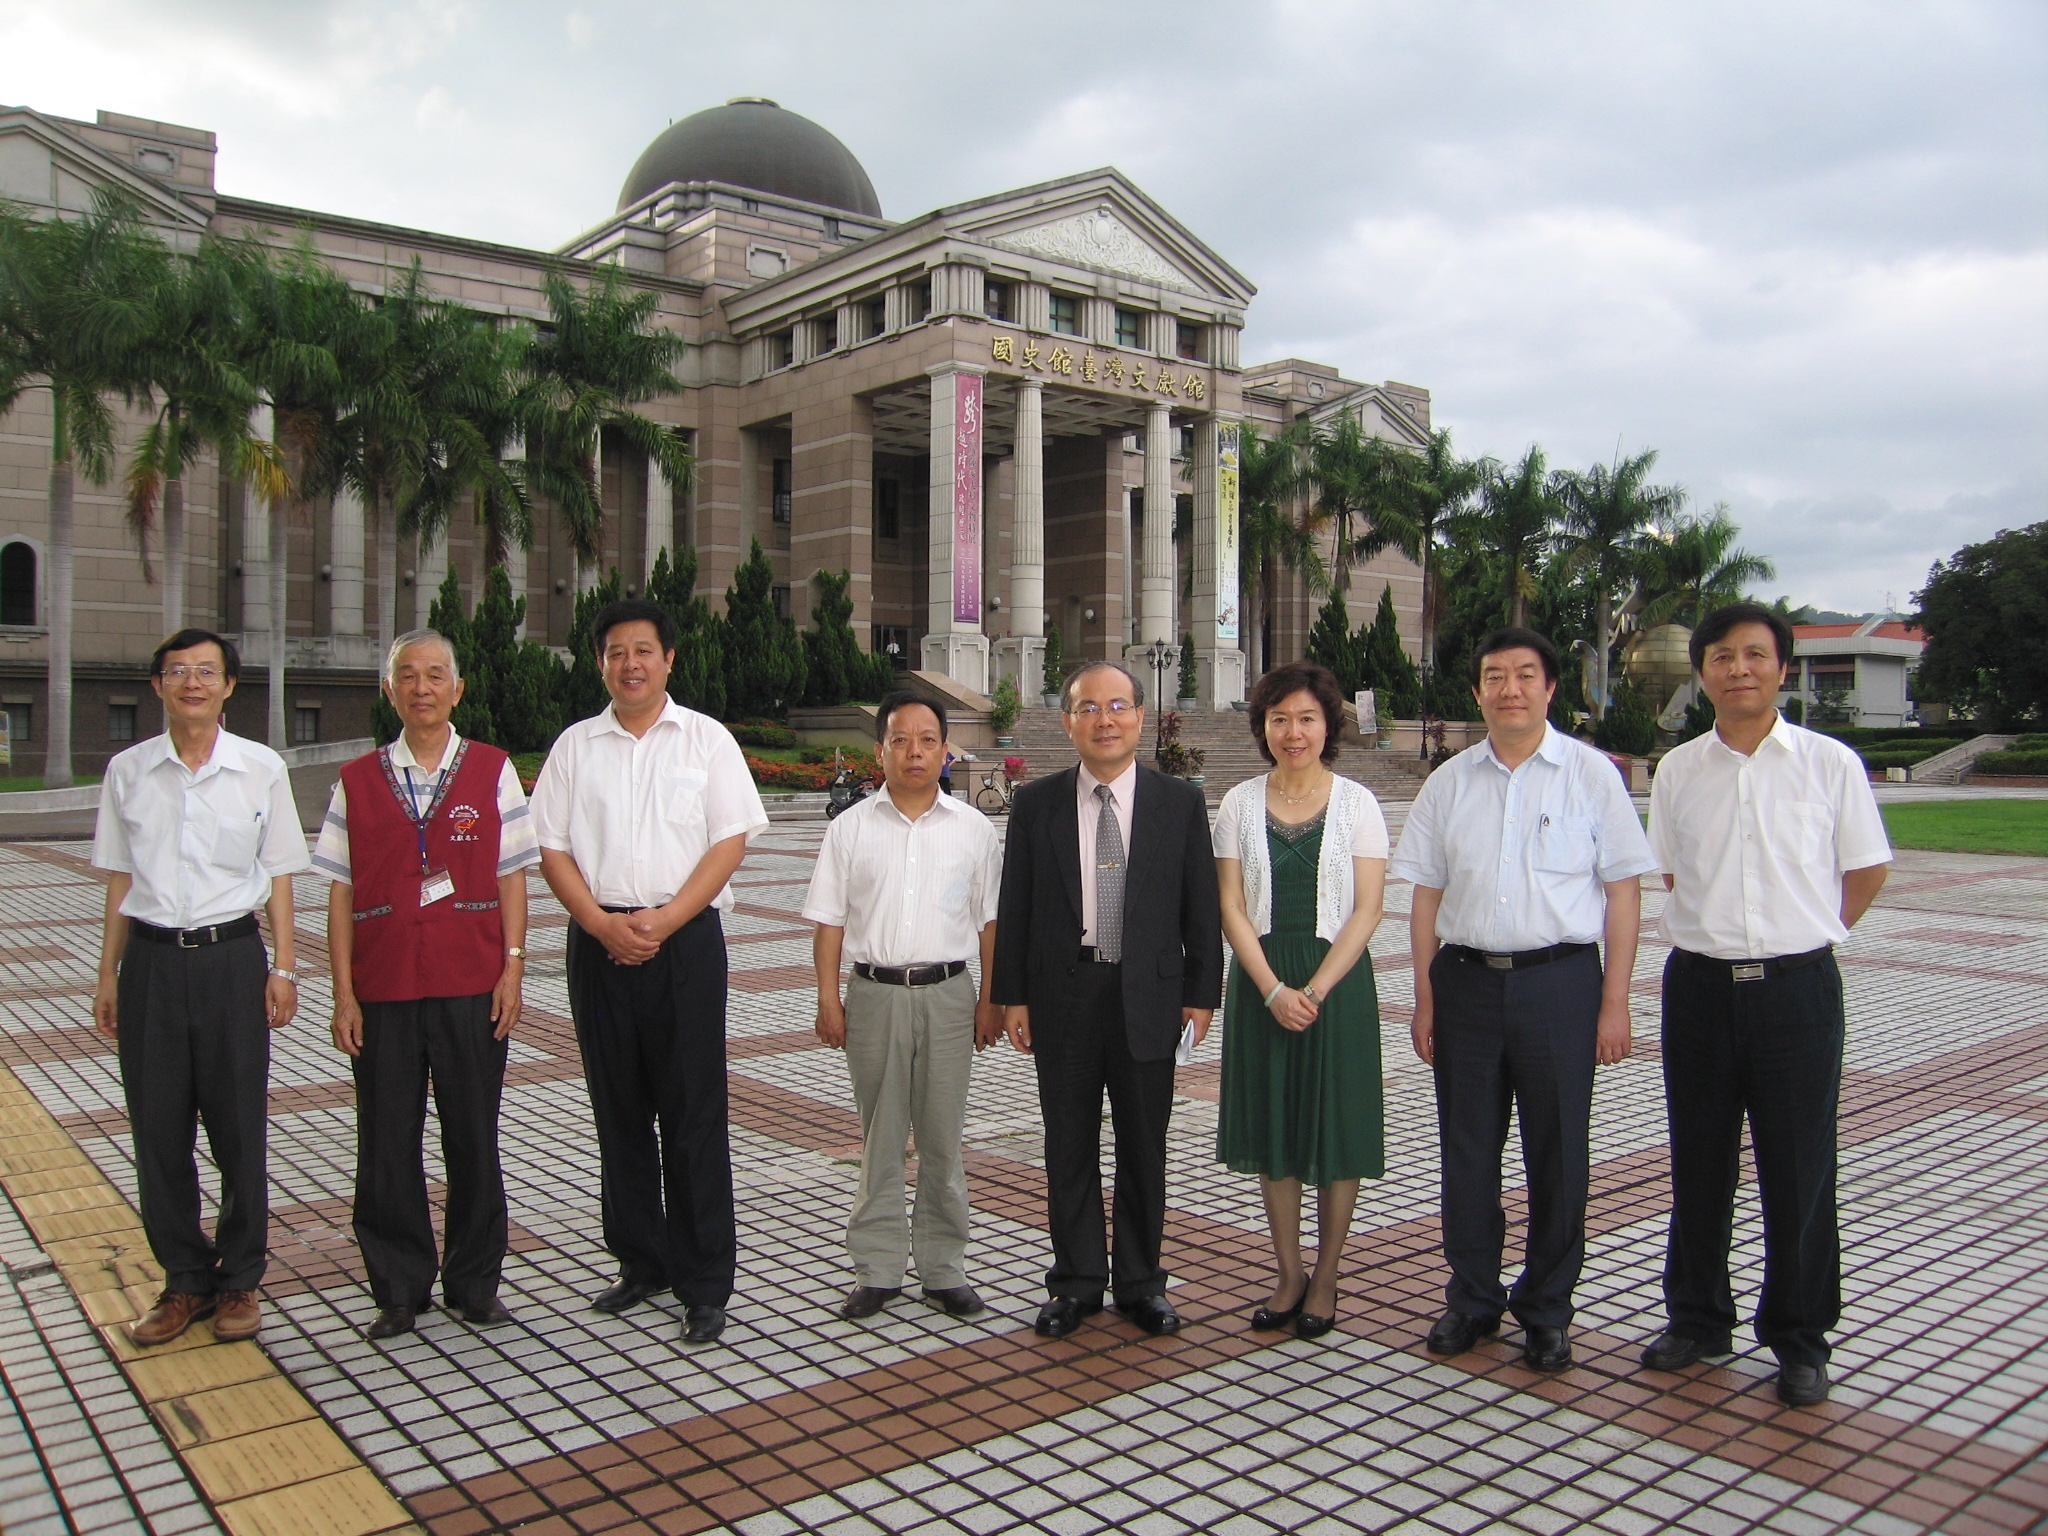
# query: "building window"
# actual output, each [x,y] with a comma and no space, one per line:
[781,349]
[305,726]
[888,509]
[1066,314]
[1128,328]
[20,720]
[995,302]
[828,333]
[874,318]
[781,597]
[18,584]
[1187,341]
[1184,443]
[120,722]
[831,229]
[920,300]
[780,490]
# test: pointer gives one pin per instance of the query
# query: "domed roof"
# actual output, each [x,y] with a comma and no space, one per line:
[752,142]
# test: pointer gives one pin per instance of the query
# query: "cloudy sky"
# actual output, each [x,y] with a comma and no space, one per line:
[1799,247]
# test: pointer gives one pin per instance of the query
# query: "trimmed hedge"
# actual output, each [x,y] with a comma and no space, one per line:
[762,733]
[1865,736]
[2013,761]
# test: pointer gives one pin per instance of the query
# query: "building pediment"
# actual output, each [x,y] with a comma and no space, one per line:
[50,171]
[1099,240]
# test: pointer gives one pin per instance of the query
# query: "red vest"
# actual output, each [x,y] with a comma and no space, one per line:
[456,946]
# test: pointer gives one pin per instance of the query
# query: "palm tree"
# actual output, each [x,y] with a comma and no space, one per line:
[1272,474]
[1515,522]
[1698,568]
[1608,511]
[72,318]
[1437,485]
[598,357]
[1360,492]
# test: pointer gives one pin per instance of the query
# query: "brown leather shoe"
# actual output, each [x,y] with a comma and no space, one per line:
[174,1312]
[237,1317]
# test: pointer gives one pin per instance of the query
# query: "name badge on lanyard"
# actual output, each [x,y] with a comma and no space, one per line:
[436,883]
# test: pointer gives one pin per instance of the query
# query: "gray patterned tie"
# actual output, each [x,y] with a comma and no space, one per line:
[1109,878]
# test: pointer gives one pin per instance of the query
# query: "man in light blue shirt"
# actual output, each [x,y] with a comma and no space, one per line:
[1525,852]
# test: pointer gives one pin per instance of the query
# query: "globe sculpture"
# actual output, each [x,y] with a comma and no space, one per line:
[1657,661]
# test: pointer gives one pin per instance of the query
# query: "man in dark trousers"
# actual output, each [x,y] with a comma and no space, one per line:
[643,813]
[1109,947]
[428,842]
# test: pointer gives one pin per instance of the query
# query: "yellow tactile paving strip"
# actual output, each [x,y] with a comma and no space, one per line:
[256,1447]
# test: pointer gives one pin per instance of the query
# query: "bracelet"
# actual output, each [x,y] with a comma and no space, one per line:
[1278,988]
[290,976]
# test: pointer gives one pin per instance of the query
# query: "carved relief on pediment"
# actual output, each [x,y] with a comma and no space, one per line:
[1099,239]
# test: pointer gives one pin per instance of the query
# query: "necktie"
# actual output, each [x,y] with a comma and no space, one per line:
[1109,878]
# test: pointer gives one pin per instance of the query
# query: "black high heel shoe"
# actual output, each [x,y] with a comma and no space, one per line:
[1311,1326]
[1266,1320]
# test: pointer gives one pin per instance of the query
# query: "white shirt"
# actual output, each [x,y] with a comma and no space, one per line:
[517,847]
[907,892]
[1354,828]
[202,846]
[638,813]
[1756,845]
[1123,793]
[1520,855]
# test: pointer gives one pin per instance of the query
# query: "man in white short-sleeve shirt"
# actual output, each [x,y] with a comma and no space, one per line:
[1772,848]
[198,829]
[906,889]
[1525,852]
[643,813]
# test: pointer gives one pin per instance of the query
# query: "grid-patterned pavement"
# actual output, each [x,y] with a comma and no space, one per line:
[572,1421]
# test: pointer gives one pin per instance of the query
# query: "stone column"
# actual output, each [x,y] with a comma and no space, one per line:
[954,643]
[1155,585]
[256,541]
[661,519]
[1021,656]
[345,541]
[1219,660]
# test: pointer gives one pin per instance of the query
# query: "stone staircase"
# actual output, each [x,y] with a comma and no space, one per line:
[1225,736]
[1950,766]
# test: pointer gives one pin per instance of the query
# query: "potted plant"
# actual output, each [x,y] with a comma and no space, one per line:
[1174,756]
[1190,679]
[1055,679]
[1005,704]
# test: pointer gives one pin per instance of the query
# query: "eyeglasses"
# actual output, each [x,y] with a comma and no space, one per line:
[207,675]
[1115,708]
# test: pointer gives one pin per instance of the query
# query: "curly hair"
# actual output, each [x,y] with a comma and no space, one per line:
[1283,683]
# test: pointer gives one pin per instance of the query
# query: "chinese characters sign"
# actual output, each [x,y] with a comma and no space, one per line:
[967,498]
[1226,533]
[1087,367]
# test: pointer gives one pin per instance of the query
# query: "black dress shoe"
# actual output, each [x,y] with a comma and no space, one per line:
[866,1300]
[1313,1327]
[623,1297]
[481,1314]
[1456,1332]
[391,1322]
[1801,1386]
[1154,1314]
[1675,1351]
[1062,1315]
[1546,1349]
[702,1325]
[1266,1320]
[956,1300]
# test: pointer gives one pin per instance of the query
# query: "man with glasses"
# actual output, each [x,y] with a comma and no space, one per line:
[428,842]
[1525,852]
[197,829]
[1109,949]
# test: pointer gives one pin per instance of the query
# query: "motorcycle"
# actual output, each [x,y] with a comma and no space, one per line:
[846,790]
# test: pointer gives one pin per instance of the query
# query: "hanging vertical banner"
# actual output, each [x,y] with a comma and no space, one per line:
[967,498]
[1226,531]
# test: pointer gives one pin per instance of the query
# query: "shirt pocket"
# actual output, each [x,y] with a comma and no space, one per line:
[1564,845]
[1804,831]
[235,842]
[682,801]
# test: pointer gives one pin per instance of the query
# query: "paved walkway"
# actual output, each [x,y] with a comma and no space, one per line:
[572,1421]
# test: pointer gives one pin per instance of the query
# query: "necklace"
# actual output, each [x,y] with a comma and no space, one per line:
[1308,794]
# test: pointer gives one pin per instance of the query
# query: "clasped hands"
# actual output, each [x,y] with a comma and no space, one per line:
[1293,1009]
[634,938]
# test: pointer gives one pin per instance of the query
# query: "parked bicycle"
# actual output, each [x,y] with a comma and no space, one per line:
[998,794]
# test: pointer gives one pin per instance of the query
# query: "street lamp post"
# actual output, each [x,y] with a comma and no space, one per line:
[1157,653]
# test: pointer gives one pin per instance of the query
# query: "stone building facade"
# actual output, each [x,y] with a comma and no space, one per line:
[1003,415]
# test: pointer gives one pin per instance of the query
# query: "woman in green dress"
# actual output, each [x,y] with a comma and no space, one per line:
[1301,858]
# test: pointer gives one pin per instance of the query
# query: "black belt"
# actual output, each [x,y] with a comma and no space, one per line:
[1521,960]
[1091,954]
[909,975]
[194,938]
[1760,970]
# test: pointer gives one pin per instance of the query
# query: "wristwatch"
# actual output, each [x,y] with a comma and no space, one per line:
[290,976]
[515,952]
[1312,995]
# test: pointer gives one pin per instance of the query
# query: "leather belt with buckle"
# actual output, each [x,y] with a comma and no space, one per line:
[1091,954]
[194,938]
[909,975]
[1520,960]
[1761,970]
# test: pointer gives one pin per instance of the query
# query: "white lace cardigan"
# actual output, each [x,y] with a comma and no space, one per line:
[1244,808]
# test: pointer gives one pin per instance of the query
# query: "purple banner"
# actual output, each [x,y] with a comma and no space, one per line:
[967,498]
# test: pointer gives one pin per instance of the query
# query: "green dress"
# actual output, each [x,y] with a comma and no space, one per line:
[1301,1106]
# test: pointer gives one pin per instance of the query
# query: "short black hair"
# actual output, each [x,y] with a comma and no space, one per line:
[891,702]
[1715,626]
[1284,682]
[1515,638]
[632,610]
[1074,677]
[185,639]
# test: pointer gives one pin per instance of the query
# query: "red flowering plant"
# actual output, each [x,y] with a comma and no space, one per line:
[1013,770]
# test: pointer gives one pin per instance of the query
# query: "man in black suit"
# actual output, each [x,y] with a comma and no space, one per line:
[1109,944]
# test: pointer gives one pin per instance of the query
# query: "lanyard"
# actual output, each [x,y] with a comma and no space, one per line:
[408,799]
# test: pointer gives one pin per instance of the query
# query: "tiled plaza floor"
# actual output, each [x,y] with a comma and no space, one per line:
[572,1421]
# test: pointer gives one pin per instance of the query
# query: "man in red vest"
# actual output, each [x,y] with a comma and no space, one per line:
[427,842]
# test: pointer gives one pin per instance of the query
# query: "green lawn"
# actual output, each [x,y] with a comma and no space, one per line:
[1971,826]
[35,781]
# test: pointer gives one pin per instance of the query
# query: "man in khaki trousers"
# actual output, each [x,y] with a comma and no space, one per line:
[906,889]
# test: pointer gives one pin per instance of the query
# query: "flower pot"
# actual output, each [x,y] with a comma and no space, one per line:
[1049,700]
[1005,741]
[1186,703]
[1195,778]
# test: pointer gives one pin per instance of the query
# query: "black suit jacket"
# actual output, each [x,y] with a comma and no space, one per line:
[1173,926]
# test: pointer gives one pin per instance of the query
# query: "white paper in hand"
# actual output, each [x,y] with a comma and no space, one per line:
[1186,1051]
